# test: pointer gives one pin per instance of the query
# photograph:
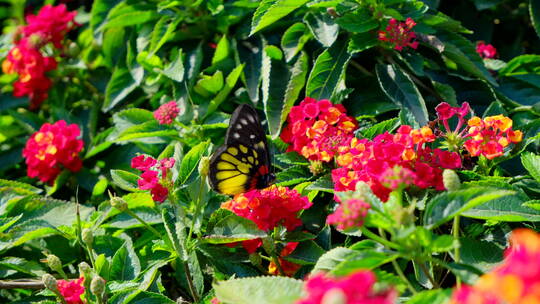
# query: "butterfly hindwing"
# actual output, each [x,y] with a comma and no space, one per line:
[242,163]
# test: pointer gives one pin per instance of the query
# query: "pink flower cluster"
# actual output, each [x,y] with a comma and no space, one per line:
[72,290]
[154,175]
[356,288]
[486,50]
[374,162]
[349,214]
[270,207]
[516,280]
[53,147]
[399,34]
[166,113]
[50,25]
[315,129]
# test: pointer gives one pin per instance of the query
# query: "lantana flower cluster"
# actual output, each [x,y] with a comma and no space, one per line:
[399,34]
[374,162]
[351,213]
[154,175]
[72,290]
[315,129]
[50,25]
[356,288]
[52,148]
[166,113]
[516,280]
[270,207]
[488,136]
[486,50]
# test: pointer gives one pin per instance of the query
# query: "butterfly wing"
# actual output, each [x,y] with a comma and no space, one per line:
[243,162]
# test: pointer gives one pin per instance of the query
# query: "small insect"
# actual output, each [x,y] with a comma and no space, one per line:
[243,162]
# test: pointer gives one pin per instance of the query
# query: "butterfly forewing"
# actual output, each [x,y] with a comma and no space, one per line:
[243,162]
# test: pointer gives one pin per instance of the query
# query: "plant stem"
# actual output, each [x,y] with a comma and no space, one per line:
[152,229]
[403,277]
[91,255]
[192,289]
[455,233]
[198,206]
[379,239]
[426,272]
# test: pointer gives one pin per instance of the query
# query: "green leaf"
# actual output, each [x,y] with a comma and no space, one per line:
[230,82]
[163,32]
[531,162]
[125,180]
[524,64]
[361,42]
[127,15]
[484,255]
[323,28]
[233,228]
[399,87]
[328,71]
[323,183]
[260,290]
[270,11]
[252,57]
[293,40]
[358,21]
[209,85]
[445,206]
[118,88]
[461,51]
[125,263]
[175,230]
[306,253]
[436,296]
[175,69]
[281,87]
[381,127]
[331,259]
[364,259]
[191,160]
[100,10]
[534,10]
[293,175]
[292,158]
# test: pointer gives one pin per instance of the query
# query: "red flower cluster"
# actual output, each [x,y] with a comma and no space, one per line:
[356,288]
[486,50]
[374,162]
[269,207]
[154,175]
[489,136]
[289,268]
[316,128]
[50,25]
[516,280]
[349,214]
[399,34]
[51,148]
[166,113]
[72,290]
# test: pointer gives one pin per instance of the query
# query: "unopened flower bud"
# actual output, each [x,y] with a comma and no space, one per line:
[334,296]
[85,270]
[119,203]
[97,286]
[316,167]
[204,166]
[255,258]
[54,262]
[50,282]
[451,180]
[87,236]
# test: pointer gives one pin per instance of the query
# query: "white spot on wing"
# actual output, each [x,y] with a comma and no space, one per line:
[243,121]
[251,118]
[252,136]
[236,135]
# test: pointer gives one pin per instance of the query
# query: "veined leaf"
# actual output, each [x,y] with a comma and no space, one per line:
[270,11]
[260,290]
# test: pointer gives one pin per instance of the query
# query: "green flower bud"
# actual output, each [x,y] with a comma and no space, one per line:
[50,282]
[87,236]
[334,296]
[451,180]
[54,263]
[97,287]
[119,203]
[204,166]
[85,270]
[316,167]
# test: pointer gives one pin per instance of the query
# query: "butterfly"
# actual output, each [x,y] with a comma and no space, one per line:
[243,162]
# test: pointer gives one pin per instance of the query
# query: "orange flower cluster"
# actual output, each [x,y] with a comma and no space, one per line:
[516,280]
[315,129]
[489,136]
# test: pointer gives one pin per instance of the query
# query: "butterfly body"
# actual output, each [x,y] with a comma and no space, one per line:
[243,162]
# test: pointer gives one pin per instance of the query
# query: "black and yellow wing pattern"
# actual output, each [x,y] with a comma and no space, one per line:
[243,162]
